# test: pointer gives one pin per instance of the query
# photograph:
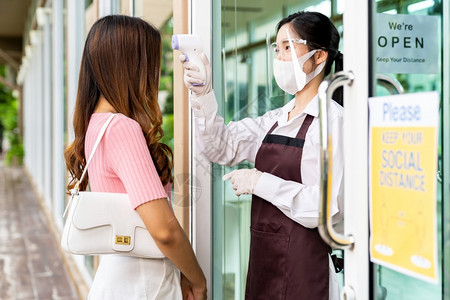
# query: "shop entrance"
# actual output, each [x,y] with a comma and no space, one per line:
[381,65]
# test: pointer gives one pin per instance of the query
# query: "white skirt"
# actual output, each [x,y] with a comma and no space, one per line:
[123,277]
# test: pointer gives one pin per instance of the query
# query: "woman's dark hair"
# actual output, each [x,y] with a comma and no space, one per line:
[121,61]
[320,33]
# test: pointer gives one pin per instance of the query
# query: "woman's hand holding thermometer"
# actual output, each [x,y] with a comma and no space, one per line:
[197,70]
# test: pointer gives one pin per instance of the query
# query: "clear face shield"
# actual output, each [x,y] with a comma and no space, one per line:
[287,68]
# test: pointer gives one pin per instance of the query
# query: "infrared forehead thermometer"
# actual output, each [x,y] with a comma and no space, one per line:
[191,46]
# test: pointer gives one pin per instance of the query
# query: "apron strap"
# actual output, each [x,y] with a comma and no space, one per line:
[303,129]
[273,128]
[301,134]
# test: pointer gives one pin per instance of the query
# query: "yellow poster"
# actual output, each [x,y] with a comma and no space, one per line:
[403,166]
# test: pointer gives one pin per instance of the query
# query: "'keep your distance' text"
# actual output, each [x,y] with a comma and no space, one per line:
[400,60]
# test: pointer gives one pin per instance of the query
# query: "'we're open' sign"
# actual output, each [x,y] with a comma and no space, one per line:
[407,44]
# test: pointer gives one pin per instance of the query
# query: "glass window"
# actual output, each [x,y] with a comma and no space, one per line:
[265,27]
[323,7]
[88,3]
[160,16]
[165,96]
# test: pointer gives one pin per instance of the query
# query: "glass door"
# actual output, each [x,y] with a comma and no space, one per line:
[414,78]
[244,87]
[393,47]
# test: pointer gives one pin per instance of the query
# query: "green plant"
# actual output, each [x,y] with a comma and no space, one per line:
[167,126]
[166,82]
[8,124]
[15,155]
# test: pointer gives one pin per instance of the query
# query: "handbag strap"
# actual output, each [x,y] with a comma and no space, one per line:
[97,142]
[76,188]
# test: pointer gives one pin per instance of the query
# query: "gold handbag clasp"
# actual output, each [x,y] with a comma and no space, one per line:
[123,239]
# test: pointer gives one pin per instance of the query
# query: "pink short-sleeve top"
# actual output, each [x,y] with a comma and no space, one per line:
[122,161]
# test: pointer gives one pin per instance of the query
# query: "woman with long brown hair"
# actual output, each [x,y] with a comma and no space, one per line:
[119,74]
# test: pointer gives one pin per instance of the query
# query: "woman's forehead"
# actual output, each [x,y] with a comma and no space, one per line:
[283,32]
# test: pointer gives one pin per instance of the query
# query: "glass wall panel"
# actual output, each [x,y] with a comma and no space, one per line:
[246,89]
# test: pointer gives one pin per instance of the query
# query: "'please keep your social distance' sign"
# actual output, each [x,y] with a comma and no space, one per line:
[403,149]
[407,44]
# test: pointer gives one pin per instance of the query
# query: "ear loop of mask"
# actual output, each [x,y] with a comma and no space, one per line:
[297,70]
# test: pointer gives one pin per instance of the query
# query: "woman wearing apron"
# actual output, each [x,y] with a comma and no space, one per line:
[288,259]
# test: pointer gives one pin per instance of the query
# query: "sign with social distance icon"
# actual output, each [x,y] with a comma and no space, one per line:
[407,44]
[402,181]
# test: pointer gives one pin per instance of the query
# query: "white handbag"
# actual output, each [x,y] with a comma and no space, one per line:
[105,223]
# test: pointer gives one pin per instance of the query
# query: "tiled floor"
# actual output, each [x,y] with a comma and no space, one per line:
[31,267]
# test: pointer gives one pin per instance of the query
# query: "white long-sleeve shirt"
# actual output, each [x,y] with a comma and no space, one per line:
[239,141]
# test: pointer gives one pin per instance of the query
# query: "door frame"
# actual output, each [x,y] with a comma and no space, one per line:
[200,18]
[359,273]
[356,19]
[446,150]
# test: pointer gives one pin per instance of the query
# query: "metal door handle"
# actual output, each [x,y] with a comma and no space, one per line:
[347,293]
[326,230]
[390,83]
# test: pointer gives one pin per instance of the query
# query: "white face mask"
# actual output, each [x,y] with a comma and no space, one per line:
[290,80]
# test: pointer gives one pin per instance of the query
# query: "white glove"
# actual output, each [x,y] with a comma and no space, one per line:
[243,180]
[192,78]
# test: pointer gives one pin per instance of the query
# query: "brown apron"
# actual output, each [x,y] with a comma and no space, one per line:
[287,260]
